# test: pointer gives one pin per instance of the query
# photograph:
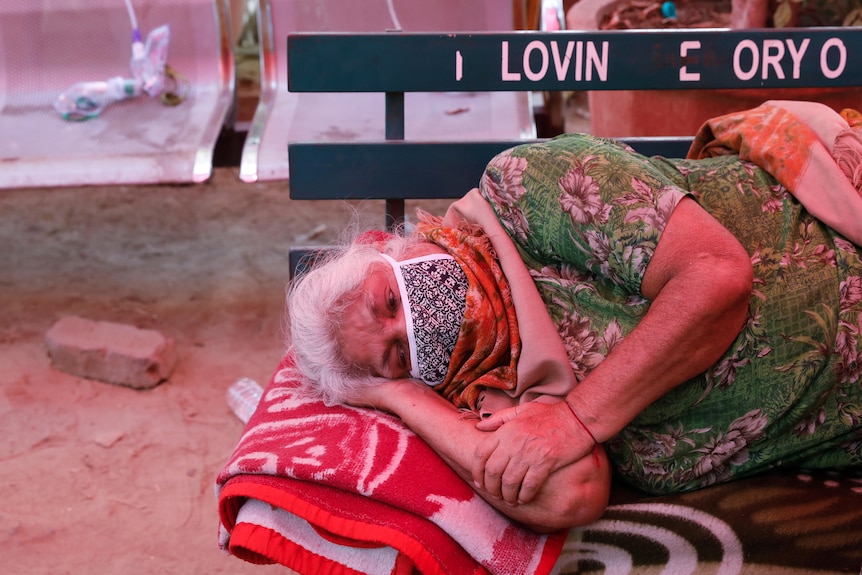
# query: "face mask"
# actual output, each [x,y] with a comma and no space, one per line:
[434,296]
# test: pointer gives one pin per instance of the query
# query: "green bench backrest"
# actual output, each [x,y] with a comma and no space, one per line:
[609,60]
[395,63]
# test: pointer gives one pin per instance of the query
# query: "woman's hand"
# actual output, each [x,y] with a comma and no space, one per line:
[529,442]
[574,495]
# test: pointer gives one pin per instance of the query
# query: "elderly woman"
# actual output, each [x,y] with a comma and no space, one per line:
[690,321]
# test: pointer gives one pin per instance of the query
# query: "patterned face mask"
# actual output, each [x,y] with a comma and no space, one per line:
[434,295]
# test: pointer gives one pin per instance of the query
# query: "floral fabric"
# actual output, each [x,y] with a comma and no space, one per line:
[586,214]
[813,151]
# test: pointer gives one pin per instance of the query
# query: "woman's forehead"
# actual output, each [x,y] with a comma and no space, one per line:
[374,287]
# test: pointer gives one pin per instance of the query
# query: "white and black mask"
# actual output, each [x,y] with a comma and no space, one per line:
[434,296]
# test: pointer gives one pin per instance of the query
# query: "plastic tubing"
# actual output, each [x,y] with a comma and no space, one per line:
[133,19]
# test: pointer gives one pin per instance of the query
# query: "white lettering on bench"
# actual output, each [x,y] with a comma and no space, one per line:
[684,74]
[543,69]
[588,60]
[770,59]
[796,55]
[842,58]
[773,54]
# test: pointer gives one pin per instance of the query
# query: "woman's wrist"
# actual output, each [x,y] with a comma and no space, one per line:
[580,421]
[400,395]
[573,410]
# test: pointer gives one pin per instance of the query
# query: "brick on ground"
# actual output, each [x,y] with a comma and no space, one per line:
[111,352]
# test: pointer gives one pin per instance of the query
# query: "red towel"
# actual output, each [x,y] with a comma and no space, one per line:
[345,490]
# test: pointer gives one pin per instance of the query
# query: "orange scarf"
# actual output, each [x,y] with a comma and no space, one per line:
[488,347]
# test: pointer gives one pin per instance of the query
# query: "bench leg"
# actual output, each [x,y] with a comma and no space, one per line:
[394,213]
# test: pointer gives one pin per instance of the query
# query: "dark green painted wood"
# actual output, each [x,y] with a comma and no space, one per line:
[530,61]
[642,59]
[410,170]
[384,170]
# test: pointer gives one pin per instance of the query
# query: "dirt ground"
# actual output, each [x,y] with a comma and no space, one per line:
[104,479]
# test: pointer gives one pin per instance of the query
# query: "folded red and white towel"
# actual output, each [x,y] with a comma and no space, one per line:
[345,490]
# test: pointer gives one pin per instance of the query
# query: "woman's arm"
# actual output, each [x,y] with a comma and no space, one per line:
[699,283]
[575,494]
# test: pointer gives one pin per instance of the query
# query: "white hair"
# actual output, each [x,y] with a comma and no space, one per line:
[316,302]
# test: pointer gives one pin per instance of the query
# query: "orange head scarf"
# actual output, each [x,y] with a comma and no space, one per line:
[488,346]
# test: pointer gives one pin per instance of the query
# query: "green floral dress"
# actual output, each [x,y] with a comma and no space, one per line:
[586,214]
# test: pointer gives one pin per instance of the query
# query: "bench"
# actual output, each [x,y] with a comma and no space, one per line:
[765,523]
[283,115]
[399,63]
[46,47]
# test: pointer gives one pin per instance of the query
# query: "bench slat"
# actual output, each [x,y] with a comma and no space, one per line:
[599,60]
[411,170]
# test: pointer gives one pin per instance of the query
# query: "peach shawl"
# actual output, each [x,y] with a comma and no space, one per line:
[813,151]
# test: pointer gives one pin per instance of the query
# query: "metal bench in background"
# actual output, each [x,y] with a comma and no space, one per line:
[396,170]
[47,47]
[284,115]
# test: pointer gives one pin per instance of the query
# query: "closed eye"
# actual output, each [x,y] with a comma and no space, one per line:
[391,301]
